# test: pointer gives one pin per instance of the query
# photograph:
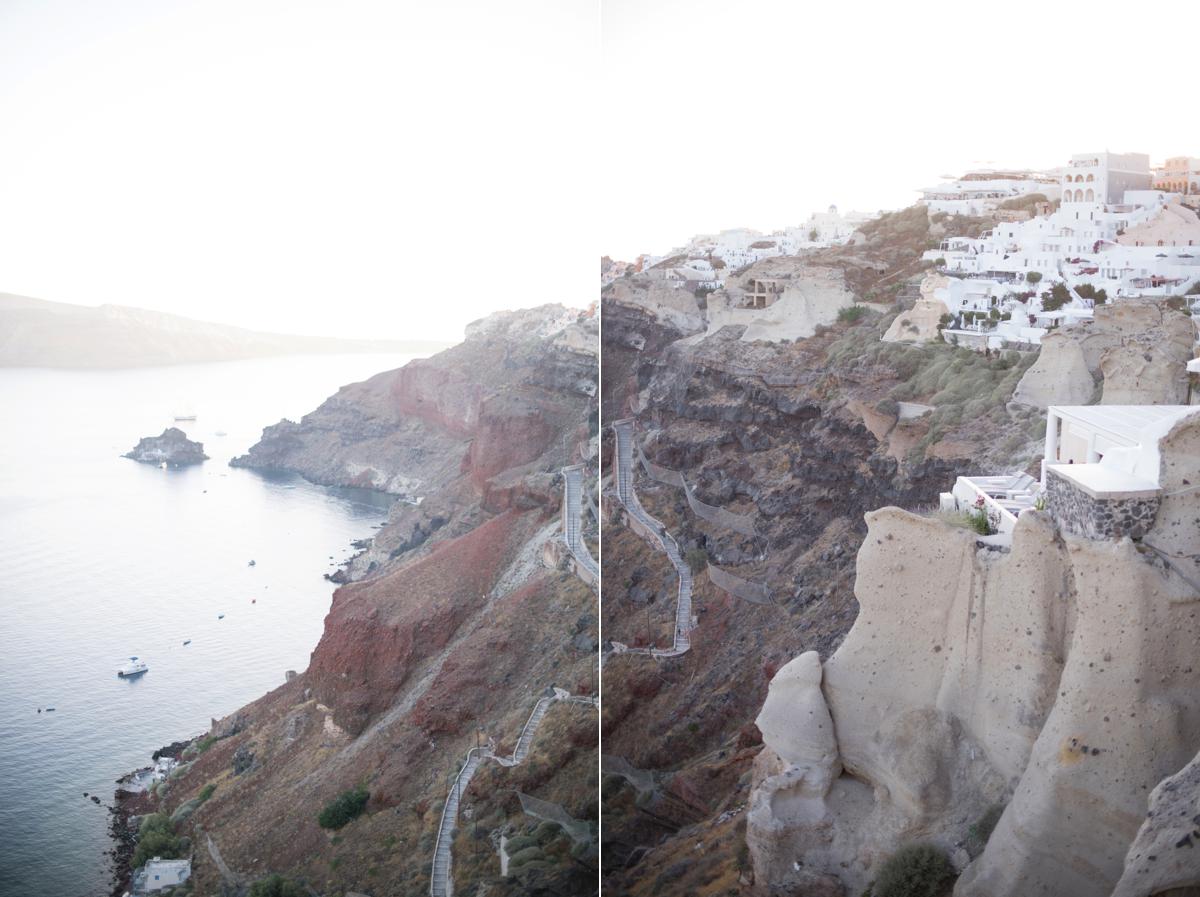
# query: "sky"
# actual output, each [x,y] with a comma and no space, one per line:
[391,168]
[756,113]
[350,168]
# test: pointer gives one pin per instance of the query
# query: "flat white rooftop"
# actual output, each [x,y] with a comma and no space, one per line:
[1104,482]
[1125,423]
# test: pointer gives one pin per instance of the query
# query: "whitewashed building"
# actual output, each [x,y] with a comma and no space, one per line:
[158,874]
[1112,232]
[980,192]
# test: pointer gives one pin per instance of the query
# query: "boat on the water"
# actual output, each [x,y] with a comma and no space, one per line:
[220,616]
[187,641]
[135,667]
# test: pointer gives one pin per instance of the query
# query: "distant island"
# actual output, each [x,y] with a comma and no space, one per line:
[172,448]
[37,333]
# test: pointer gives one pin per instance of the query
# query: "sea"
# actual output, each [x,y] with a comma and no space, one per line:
[103,558]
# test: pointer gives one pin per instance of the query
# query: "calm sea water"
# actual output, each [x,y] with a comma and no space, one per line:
[102,557]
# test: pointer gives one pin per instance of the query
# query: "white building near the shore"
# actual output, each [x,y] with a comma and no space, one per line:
[158,874]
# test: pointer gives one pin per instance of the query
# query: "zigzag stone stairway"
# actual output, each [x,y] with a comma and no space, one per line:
[655,532]
[441,880]
[573,492]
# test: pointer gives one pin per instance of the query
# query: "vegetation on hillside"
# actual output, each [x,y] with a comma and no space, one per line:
[345,807]
[968,389]
[157,838]
[918,870]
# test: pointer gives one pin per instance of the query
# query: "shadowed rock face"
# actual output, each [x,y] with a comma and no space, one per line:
[171,447]
[1058,680]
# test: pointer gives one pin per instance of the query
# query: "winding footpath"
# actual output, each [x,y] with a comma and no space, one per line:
[573,492]
[656,532]
[441,881]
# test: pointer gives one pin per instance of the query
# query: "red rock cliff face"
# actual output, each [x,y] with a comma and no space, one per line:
[378,631]
[440,396]
[452,631]
[508,434]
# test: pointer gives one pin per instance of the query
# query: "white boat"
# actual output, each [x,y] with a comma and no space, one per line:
[185,417]
[135,667]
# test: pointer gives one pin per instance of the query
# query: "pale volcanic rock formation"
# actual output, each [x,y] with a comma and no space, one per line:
[920,323]
[1174,225]
[1058,679]
[671,306]
[811,296]
[1140,346]
[1164,858]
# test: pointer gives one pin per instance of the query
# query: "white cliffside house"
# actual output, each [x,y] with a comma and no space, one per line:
[981,192]
[738,247]
[1099,473]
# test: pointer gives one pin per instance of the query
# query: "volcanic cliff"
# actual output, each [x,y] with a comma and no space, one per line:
[763,458]
[461,615]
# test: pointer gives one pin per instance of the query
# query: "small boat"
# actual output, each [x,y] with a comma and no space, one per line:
[187,641]
[220,616]
[135,667]
[185,417]
[49,709]
[251,564]
[220,433]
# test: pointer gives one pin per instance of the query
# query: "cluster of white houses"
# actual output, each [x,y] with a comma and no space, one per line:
[707,259]
[1105,232]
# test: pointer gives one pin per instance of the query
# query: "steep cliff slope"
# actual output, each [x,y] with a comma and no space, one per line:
[1053,685]
[800,439]
[461,617]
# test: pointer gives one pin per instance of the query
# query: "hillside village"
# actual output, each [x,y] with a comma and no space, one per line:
[914,595]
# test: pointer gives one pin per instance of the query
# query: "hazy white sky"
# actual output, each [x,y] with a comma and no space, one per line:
[757,112]
[345,167]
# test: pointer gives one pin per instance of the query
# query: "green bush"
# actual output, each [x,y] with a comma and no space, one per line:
[979,832]
[346,806]
[206,792]
[1058,296]
[697,559]
[918,870]
[977,520]
[851,313]
[205,743]
[157,843]
[518,843]
[276,886]
[185,810]
[521,857]
[155,822]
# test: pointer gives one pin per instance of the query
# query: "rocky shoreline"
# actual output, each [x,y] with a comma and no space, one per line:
[131,801]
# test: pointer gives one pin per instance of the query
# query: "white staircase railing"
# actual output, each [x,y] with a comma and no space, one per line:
[573,490]
[441,881]
[681,643]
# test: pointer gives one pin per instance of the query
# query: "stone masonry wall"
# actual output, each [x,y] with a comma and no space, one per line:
[1078,513]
